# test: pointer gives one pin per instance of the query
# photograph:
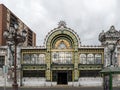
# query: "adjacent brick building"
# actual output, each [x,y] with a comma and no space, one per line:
[7,19]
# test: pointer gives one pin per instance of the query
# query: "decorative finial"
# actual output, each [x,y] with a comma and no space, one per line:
[112,28]
[62,23]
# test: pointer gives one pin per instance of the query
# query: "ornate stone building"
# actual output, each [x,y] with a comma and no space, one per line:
[62,60]
[110,40]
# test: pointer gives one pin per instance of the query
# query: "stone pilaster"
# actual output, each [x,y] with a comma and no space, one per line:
[48,61]
[76,72]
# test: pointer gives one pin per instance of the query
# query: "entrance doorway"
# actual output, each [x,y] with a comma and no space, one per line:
[62,78]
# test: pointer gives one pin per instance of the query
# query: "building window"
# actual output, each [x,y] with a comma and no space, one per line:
[62,57]
[89,73]
[41,59]
[62,45]
[90,59]
[26,59]
[34,73]
[83,59]
[34,59]
[13,20]
[2,61]
[98,59]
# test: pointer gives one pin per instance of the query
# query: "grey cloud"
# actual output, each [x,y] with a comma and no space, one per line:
[87,17]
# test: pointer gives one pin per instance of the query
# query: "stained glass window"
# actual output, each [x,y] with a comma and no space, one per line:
[62,45]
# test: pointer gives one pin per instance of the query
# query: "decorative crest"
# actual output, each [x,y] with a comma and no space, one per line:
[62,23]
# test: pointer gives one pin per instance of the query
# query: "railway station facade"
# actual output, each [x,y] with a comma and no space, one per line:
[61,61]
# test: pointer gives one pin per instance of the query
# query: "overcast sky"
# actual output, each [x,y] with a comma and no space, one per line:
[86,17]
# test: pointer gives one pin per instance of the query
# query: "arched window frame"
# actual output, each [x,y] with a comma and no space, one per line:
[90,59]
[33,58]
[83,59]
[26,59]
[41,59]
[98,59]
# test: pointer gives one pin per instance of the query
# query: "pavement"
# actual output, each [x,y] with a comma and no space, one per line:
[58,88]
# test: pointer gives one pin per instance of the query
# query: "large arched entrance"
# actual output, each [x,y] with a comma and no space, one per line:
[62,47]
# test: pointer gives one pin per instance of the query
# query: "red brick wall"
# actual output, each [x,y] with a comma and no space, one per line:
[3,23]
[0,24]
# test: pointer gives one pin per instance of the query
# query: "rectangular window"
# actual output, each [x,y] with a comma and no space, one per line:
[34,73]
[89,73]
[2,61]
[62,57]
[13,20]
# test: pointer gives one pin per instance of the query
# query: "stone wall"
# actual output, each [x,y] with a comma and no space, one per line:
[91,81]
